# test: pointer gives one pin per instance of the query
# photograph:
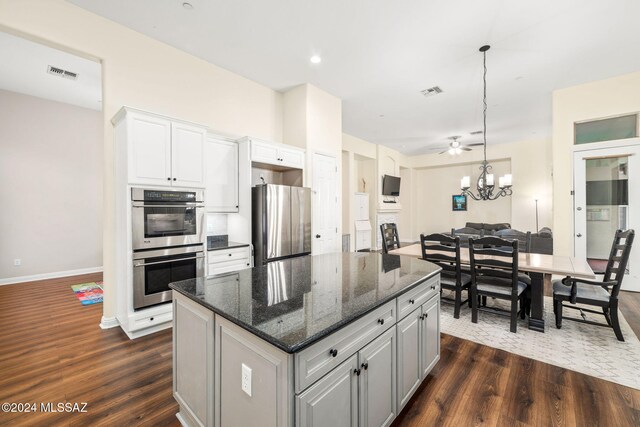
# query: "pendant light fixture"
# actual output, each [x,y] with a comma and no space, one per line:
[485,185]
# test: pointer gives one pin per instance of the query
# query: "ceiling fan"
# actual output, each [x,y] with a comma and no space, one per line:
[456,148]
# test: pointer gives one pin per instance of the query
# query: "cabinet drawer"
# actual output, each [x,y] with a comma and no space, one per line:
[227,267]
[314,362]
[227,255]
[414,298]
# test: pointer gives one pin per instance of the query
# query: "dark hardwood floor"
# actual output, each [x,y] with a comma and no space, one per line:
[52,350]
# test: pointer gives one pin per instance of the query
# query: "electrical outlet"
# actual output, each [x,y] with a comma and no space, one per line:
[246,379]
[17,262]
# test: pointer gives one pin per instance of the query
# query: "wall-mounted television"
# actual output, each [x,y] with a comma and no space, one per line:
[390,185]
[459,202]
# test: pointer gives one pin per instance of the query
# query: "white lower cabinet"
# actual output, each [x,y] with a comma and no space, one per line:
[228,260]
[418,348]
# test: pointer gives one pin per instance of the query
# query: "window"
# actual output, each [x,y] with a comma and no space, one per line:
[621,127]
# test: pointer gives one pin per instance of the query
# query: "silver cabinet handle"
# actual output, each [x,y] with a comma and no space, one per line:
[180,206]
[578,235]
[142,264]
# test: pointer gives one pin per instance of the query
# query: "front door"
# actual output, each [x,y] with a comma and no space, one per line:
[325,204]
[604,183]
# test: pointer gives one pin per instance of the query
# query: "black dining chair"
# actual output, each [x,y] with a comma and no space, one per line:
[444,251]
[494,274]
[390,239]
[595,293]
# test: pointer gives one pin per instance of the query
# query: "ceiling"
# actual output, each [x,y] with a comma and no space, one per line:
[378,55]
[26,73]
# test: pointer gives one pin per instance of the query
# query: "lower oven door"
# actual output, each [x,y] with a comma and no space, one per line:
[154,270]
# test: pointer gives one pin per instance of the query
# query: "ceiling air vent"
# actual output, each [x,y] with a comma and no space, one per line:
[62,73]
[432,91]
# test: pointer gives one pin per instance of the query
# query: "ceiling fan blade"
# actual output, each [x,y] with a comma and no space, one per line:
[465,149]
[442,152]
[477,144]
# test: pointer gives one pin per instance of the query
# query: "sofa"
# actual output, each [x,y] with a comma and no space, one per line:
[540,242]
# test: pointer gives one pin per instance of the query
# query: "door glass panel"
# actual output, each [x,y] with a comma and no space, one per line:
[162,270]
[607,205]
[607,129]
[163,222]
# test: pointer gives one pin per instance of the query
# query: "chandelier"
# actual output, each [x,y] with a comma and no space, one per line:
[485,185]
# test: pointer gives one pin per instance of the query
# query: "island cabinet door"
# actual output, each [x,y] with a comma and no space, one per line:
[408,357]
[430,336]
[377,381]
[333,400]
[193,374]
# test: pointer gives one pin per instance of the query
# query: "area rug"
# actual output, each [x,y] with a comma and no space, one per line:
[88,293]
[591,350]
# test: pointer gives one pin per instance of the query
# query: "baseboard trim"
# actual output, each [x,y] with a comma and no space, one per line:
[54,275]
[109,322]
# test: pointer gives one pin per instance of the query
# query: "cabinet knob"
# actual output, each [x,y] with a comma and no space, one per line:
[422,317]
[412,301]
[381,321]
[174,179]
[229,254]
[365,365]
[433,286]
[318,236]
[168,178]
[356,371]
[333,352]
[237,206]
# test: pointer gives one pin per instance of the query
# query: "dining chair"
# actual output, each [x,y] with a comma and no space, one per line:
[494,274]
[390,238]
[451,277]
[602,294]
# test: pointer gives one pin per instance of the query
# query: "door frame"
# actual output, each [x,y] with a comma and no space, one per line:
[627,147]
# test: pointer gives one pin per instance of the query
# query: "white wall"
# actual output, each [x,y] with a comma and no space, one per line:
[313,120]
[433,190]
[616,96]
[51,158]
[530,164]
[144,73]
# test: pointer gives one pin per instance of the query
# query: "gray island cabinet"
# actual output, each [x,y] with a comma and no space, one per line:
[339,339]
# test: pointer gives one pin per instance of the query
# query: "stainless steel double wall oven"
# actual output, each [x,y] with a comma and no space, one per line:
[167,229]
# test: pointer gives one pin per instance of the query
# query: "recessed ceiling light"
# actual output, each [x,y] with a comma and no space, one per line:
[187,5]
[315,59]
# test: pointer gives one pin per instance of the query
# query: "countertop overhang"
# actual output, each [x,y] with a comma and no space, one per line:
[296,302]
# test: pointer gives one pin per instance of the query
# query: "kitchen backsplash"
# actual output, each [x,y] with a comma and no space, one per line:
[216,224]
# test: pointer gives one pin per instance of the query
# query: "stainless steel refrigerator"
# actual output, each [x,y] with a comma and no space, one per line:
[281,222]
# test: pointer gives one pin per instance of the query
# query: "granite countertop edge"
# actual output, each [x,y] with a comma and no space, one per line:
[314,338]
[230,245]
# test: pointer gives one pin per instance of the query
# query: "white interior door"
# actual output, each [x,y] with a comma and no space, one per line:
[606,199]
[325,204]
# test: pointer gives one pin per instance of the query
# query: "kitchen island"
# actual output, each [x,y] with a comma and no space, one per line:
[335,339]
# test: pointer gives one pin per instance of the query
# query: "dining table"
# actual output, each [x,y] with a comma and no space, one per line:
[539,267]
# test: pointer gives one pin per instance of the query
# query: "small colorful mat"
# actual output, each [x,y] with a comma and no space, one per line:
[88,293]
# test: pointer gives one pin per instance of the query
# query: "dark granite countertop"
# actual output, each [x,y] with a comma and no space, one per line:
[296,302]
[216,246]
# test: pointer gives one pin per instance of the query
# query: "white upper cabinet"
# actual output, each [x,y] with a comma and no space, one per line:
[161,151]
[277,154]
[221,183]
[187,152]
[291,157]
[149,151]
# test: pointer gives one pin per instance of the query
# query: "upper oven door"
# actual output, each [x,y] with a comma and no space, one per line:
[160,225]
